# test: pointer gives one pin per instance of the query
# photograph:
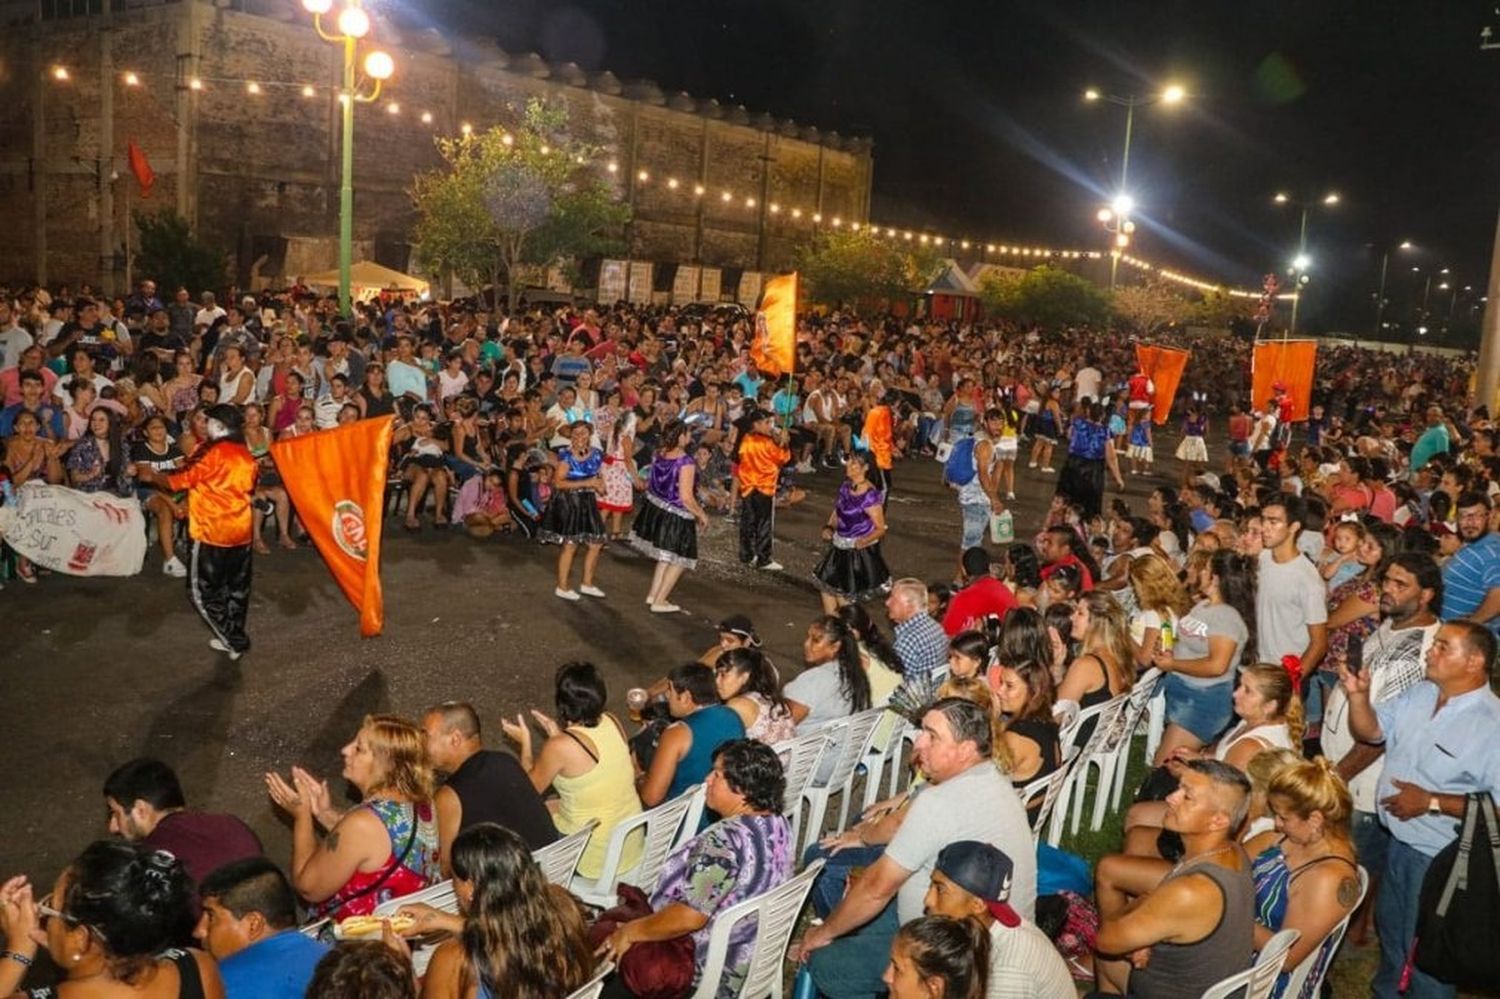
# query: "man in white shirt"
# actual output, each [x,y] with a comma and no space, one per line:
[1086,383]
[209,314]
[1395,657]
[1291,599]
[971,880]
[13,339]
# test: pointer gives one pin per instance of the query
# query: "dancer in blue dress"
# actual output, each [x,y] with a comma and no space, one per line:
[572,518]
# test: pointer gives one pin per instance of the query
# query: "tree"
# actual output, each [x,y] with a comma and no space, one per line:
[1217,309]
[1045,296]
[840,267]
[509,200]
[1146,308]
[174,258]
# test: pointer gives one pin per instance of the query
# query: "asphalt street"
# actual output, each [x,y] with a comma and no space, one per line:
[96,671]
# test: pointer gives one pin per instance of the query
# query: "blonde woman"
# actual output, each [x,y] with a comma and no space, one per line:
[1161,601]
[1105,665]
[383,848]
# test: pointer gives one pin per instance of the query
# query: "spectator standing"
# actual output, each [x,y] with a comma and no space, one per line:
[1433,441]
[1291,610]
[1471,578]
[1439,746]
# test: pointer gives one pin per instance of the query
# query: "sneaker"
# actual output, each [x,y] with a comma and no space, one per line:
[1031,464]
[772,566]
[174,567]
[829,462]
[591,591]
[1049,469]
[665,608]
[806,468]
[219,646]
[1010,496]
[566,594]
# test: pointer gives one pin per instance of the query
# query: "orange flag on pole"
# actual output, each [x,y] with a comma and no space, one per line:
[336,479]
[774,348]
[1164,366]
[1288,363]
[141,167]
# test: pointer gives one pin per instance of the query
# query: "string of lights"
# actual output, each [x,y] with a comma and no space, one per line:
[796,213]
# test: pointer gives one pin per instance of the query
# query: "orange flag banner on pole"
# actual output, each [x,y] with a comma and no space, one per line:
[141,167]
[336,479]
[1164,366]
[1288,363]
[774,348]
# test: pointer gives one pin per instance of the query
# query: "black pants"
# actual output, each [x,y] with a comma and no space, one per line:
[756,510]
[219,587]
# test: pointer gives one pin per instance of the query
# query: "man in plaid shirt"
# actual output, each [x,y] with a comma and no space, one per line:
[921,644]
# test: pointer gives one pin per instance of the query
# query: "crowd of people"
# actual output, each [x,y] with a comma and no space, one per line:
[1317,612]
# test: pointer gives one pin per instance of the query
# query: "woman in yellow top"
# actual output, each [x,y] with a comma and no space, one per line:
[586,760]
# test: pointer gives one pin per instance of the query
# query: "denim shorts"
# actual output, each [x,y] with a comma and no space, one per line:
[1371,841]
[976,519]
[1203,711]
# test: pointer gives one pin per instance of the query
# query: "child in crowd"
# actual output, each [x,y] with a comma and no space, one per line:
[1340,562]
[1139,451]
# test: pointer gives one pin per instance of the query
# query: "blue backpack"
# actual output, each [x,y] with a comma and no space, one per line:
[959,469]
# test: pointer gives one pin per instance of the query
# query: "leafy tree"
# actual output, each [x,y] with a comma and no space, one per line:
[1045,296]
[1146,308]
[840,267]
[511,200]
[1217,309]
[173,257]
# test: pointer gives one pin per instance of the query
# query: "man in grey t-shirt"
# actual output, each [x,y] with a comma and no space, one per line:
[968,799]
[1291,608]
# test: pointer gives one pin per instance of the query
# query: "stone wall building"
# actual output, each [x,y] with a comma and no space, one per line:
[258,173]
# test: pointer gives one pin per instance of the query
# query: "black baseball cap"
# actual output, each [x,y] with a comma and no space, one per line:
[738,624]
[984,872]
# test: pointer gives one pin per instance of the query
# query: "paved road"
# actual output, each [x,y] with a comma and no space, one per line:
[97,671]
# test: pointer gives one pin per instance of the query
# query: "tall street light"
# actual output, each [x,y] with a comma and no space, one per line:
[1116,217]
[352,25]
[1385,259]
[1302,262]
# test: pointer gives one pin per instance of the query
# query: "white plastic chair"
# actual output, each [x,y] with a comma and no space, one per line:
[1143,696]
[775,913]
[1260,979]
[1108,731]
[879,757]
[1299,982]
[661,824]
[1156,721]
[558,860]
[1050,788]
[594,986]
[439,896]
[694,815]
[800,757]
[850,738]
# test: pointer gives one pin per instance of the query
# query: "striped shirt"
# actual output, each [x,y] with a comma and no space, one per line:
[1025,965]
[1469,575]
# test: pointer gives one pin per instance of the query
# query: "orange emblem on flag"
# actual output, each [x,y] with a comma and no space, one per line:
[336,479]
[774,349]
[1164,366]
[1288,363]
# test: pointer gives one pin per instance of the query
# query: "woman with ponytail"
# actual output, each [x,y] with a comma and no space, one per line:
[935,957]
[519,937]
[110,924]
[835,684]
[1309,880]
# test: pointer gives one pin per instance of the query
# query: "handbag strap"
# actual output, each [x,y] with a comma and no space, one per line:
[1486,804]
[385,876]
[1458,876]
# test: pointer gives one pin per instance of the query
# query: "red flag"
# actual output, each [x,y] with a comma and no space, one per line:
[336,479]
[141,167]
[1164,366]
[1288,363]
[774,349]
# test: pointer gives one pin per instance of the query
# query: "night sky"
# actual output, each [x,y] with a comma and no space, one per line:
[981,132]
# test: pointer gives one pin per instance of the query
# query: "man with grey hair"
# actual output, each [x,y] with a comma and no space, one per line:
[1169,930]
[920,642]
[967,798]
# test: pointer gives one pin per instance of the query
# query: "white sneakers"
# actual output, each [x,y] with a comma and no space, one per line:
[567,594]
[806,468]
[591,591]
[773,566]
[665,608]
[219,646]
[174,567]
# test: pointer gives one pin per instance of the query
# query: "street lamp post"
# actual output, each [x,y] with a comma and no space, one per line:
[1302,261]
[1116,218]
[1385,259]
[353,24]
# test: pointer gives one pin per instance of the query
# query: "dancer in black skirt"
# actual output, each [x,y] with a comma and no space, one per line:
[852,568]
[667,526]
[1090,454]
[572,517]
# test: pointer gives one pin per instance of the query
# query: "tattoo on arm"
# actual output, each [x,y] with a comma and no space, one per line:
[331,843]
[1348,892]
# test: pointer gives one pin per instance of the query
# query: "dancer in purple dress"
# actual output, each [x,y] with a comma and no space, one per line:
[667,526]
[852,568]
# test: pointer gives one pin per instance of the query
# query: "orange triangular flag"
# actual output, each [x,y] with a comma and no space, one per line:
[1288,364]
[336,479]
[1164,366]
[141,167]
[774,349]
